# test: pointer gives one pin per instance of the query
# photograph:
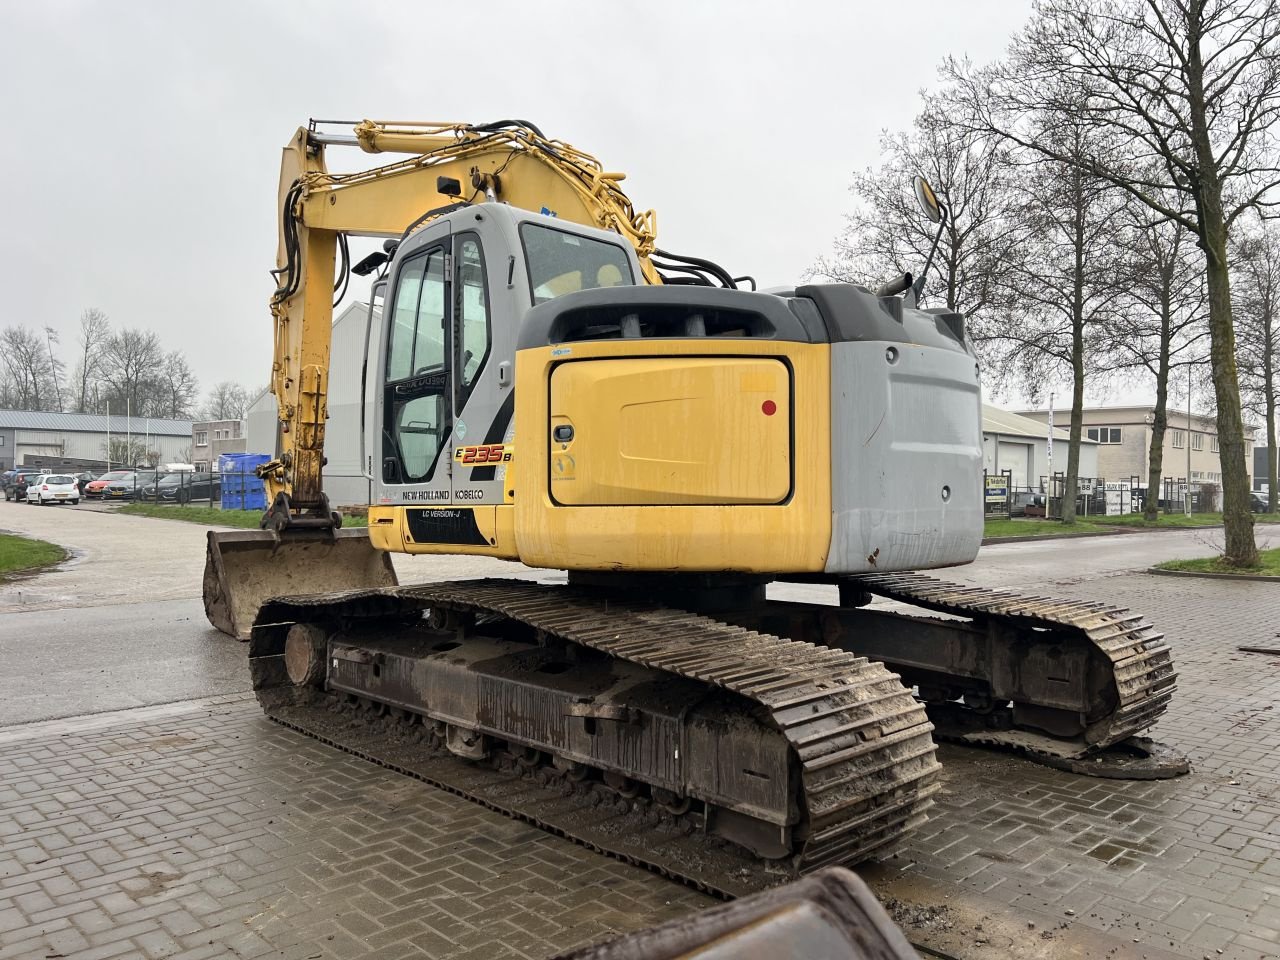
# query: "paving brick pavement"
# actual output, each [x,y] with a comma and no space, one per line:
[1189,865]
[206,831]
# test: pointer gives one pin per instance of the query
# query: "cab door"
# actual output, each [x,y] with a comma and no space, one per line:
[417,382]
[483,405]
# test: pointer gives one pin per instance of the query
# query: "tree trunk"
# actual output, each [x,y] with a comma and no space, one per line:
[1241,550]
[1155,459]
[1077,359]
[1269,399]
[1272,493]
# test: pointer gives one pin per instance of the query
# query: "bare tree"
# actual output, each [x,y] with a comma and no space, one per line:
[1257,313]
[886,235]
[130,452]
[1188,87]
[31,373]
[131,363]
[226,401]
[55,366]
[180,387]
[95,331]
[1161,320]
[1063,286]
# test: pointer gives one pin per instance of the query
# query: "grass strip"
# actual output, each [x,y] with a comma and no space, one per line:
[211,516]
[1037,528]
[19,554]
[1268,565]
[1177,520]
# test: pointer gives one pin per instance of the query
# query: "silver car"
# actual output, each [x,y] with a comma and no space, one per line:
[53,488]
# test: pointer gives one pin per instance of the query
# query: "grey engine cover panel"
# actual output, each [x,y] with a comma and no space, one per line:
[906,457]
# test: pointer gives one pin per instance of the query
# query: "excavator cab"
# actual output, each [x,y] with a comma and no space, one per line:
[439,436]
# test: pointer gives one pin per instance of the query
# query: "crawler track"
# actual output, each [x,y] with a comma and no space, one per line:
[1139,659]
[862,753]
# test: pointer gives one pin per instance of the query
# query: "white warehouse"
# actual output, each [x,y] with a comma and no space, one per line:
[344,481]
[80,439]
[1021,445]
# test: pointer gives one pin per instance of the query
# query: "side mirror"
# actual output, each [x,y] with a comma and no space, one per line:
[927,199]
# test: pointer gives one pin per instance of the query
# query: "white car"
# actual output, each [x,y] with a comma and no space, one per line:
[53,488]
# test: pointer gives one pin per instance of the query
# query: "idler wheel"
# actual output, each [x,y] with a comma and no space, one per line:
[305,648]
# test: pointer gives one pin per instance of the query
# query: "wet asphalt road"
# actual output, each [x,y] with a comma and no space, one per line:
[72,661]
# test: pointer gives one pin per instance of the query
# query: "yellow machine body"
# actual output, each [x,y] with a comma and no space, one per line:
[538,394]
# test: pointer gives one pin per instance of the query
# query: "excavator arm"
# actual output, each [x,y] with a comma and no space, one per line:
[447,164]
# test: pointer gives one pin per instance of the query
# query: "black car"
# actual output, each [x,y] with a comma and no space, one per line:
[182,488]
[16,487]
[1258,502]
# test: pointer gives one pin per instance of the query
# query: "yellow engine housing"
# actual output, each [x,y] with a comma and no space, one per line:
[674,463]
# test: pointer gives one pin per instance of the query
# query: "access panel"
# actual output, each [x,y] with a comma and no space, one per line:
[670,430]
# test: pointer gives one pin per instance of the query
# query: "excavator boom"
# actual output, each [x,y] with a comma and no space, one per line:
[449,164]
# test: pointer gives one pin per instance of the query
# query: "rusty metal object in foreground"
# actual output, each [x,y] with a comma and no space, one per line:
[830,915]
[245,568]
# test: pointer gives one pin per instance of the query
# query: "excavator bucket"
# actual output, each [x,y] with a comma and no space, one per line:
[245,568]
[830,915]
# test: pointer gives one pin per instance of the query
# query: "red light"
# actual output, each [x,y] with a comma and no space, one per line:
[769,408]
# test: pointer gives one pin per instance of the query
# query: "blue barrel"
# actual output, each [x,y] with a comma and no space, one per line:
[242,489]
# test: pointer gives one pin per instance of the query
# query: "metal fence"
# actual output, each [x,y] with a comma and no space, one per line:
[1099,496]
[228,490]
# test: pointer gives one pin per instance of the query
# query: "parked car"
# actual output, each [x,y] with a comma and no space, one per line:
[50,488]
[1258,502]
[22,476]
[183,487]
[1026,503]
[95,489]
[121,489]
[83,479]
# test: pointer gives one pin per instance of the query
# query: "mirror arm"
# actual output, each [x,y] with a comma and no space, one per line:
[917,288]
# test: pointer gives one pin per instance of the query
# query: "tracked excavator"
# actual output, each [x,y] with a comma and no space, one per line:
[546,385]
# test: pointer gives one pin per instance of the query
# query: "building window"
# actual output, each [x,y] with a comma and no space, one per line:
[1179,439]
[1197,441]
[1,440]
[1213,444]
[202,438]
[1104,434]
[201,466]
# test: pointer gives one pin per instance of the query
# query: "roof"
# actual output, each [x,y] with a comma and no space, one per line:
[1144,415]
[92,423]
[1006,424]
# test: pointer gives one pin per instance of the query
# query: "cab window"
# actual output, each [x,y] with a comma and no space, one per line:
[562,262]
[415,344]
[473,303]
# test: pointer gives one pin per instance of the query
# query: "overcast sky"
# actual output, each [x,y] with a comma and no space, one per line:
[142,146]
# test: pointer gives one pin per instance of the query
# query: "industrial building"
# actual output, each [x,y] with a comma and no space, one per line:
[1021,446]
[79,440]
[344,479]
[1123,435]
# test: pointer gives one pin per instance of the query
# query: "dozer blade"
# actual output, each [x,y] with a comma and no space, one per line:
[245,568]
